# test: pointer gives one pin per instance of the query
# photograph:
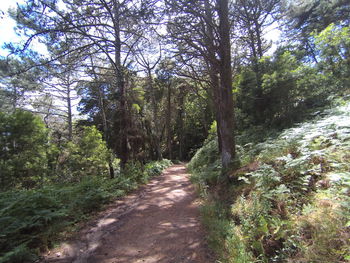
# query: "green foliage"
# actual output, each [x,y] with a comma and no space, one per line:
[138,173]
[28,218]
[291,202]
[23,150]
[205,165]
[197,119]
[32,220]
[28,160]
[87,156]
[290,88]
[156,167]
[334,45]
[223,237]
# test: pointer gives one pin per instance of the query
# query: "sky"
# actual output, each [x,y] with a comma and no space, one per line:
[7,25]
[7,30]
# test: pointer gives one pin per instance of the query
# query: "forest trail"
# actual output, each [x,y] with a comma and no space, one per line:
[157,223]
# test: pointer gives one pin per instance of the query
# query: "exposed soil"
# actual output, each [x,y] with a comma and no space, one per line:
[158,223]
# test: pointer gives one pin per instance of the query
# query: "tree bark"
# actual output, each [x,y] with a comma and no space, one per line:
[213,68]
[181,105]
[105,130]
[120,86]
[69,113]
[226,124]
[155,136]
[168,122]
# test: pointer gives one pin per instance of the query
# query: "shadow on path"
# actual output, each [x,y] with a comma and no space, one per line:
[158,223]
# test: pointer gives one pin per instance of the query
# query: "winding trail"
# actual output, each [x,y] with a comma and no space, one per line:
[157,223]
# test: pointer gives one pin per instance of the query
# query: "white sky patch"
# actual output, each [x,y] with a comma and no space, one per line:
[7,25]
[273,34]
[7,29]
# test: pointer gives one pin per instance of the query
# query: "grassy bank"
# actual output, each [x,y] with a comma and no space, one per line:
[33,220]
[292,199]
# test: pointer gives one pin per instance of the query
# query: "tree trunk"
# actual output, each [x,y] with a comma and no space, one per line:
[69,114]
[105,130]
[181,104]
[215,83]
[155,135]
[168,122]
[120,86]
[259,100]
[213,68]
[226,124]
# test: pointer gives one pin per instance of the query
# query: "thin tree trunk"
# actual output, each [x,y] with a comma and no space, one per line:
[106,134]
[259,100]
[215,82]
[168,122]
[105,130]
[69,114]
[155,135]
[181,123]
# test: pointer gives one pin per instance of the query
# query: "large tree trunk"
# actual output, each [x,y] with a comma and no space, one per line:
[226,123]
[120,86]
[213,68]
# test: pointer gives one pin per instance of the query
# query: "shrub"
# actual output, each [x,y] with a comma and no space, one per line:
[87,156]
[23,150]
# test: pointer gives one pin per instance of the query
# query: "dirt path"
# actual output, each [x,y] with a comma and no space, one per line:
[158,223]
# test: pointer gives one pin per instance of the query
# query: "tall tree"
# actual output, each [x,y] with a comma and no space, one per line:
[149,61]
[225,89]
[60,83]
[201,31]
[253,17]
[108,29]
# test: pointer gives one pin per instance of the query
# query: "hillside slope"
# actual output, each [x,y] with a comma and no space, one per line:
[291,202]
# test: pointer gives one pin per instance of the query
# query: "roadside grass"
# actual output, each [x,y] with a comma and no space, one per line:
[33,220]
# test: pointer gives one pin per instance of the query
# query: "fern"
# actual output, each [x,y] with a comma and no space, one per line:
[31,220]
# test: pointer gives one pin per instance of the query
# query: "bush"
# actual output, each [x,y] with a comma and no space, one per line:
[156,167]
[87,156]
[223,236]
[205,165]
[23,150]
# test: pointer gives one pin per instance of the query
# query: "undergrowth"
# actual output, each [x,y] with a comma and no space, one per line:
[32,220]
[291,202]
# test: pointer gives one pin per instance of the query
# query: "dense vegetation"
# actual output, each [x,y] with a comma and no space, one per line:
[96,93]
[290,202]
[33,220]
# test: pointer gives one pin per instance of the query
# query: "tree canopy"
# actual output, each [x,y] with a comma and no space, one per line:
[138,66]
